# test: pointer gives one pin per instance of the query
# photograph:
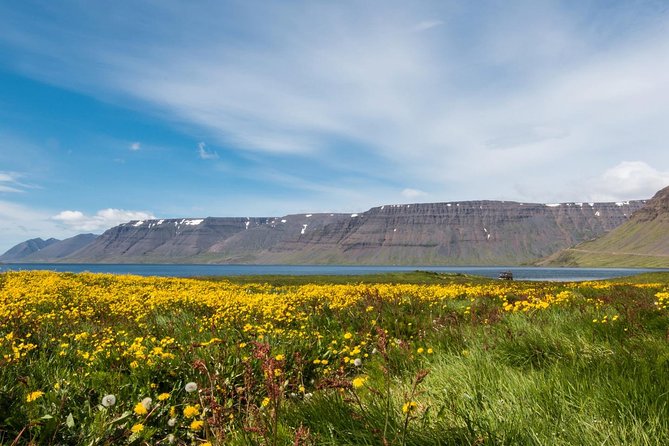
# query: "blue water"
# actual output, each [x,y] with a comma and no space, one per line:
[519,273]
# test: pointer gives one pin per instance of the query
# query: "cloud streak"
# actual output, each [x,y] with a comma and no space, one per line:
[205,154]
[102,220]
[478,107]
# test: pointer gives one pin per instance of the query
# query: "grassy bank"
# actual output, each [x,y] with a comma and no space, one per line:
[412,358]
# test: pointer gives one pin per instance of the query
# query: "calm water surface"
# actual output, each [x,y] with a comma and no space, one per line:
[519,273]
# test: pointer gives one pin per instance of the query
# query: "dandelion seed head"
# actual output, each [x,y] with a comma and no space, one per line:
[108,400]
[190,387]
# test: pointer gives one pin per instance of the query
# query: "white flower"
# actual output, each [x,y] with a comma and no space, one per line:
[171,422]
[108,400]
[146,402]
[191,387]
[357,362]
[171,438]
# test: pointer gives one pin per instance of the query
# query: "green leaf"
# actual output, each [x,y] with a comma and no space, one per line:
[69,421]
[46,417]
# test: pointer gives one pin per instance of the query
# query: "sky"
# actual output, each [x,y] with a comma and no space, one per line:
[124,110]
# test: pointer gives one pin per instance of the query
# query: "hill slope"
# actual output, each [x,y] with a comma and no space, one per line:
[643,241]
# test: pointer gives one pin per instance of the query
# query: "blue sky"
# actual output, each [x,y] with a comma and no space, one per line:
[112,111]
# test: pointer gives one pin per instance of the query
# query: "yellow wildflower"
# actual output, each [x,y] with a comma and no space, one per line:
[140,409]
[163,396]
[358,382]
[196,425]
[139,427]
[409,406]
[191,411]
[32,396]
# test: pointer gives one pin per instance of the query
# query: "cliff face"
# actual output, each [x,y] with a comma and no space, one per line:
[459,233]
[642,241]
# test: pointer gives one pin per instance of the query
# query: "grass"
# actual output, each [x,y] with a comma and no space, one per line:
[414,277]
[400,359]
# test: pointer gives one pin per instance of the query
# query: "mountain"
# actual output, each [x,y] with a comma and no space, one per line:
[457,233]
[51,250]
[26,248]
[643,241]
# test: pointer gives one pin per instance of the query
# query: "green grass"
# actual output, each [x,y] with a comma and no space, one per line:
[557,376]
[414,277]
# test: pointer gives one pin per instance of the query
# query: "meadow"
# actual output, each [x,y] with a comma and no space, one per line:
[404,359]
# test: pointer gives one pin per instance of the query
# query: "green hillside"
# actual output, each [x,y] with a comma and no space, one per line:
[641,242]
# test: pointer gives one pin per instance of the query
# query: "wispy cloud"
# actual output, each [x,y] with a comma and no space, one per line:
[413,193]
[135,146]
[19,223]
[9,182]
[490,93]
[205,154]
[102,220]
[427,24]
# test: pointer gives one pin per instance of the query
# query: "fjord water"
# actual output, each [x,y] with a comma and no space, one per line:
[190,270]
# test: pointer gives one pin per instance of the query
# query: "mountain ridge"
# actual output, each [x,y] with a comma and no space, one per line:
[642,241]
[482,232]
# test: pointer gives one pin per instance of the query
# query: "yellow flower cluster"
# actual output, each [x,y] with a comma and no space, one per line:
[97,319]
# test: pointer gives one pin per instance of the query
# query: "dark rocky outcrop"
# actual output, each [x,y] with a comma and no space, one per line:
[458,233]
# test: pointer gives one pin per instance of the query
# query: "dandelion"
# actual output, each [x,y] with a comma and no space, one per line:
[163,396]
[137,428]
[348,335]
[172,422]
[108,400]
[420,350]
[196,425]
[190,387]
[280,357]
[32,396]
[191,411]
[140,409]
[357,362]
[206,443]
[409,406]
[265,402]
[171,438]
[146,402]
[358,382]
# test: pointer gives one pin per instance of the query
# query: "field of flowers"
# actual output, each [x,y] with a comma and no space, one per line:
[91,359]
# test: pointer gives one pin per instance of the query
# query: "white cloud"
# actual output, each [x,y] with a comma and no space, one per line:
[628,180]
[413,193]
[492,101]
[135,146]
[102,220]
[19,223]
[205,154]
[9,182]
